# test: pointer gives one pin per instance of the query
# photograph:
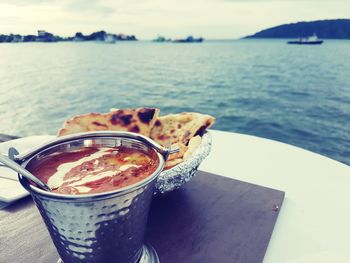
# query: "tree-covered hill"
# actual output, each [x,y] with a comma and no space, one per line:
[335,28]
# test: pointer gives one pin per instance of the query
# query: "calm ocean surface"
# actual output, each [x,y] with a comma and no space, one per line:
[295,94]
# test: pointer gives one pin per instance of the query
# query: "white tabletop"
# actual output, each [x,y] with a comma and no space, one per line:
[314,222]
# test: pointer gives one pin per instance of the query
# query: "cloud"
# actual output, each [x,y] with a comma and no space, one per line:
[29,2]
[173,18]
[92,6]
[281,1]
[89,6]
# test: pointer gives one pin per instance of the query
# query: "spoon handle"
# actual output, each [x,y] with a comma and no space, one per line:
[19,169]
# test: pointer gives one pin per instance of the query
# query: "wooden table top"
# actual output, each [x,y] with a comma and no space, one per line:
[211,219]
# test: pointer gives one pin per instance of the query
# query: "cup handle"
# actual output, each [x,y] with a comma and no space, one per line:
[167,151]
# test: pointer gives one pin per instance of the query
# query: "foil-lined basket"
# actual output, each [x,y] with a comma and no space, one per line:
[180,174]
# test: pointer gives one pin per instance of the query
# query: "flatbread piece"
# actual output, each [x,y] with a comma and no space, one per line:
[139,120]
[180,128]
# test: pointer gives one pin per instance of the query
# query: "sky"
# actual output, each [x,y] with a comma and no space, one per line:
[211,19]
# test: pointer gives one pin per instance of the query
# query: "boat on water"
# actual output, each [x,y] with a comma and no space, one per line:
[161,39]
[109,39]
[311,40]
[189,39]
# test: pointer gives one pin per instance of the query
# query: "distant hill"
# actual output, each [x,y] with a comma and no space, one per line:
[335,28]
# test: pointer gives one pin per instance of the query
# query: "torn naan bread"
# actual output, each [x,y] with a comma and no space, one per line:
[140,120]
[192,146]
[180,128]
[181,131]
[171,163]
[184,153]
[182,150]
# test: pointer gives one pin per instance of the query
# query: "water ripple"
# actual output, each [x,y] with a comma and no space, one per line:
[266,88]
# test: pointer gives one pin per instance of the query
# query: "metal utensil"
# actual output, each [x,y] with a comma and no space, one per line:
[19,169]
[98,227]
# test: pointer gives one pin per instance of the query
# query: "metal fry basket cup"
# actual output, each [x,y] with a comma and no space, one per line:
[104,227]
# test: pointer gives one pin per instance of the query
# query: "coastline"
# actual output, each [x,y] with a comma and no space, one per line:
[47,37]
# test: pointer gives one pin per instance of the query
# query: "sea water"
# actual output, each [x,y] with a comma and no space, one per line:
[296,94]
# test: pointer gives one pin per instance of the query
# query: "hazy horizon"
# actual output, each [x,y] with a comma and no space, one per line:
[211,19]
[160,35]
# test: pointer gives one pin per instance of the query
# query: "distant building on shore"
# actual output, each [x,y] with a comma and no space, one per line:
[44,36]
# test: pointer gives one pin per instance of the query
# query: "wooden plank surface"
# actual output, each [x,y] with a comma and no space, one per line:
[214,219]
[210,219]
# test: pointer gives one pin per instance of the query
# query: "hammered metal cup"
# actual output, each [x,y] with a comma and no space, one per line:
[98,228]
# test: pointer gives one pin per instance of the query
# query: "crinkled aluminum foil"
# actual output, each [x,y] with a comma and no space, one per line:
[180,174]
